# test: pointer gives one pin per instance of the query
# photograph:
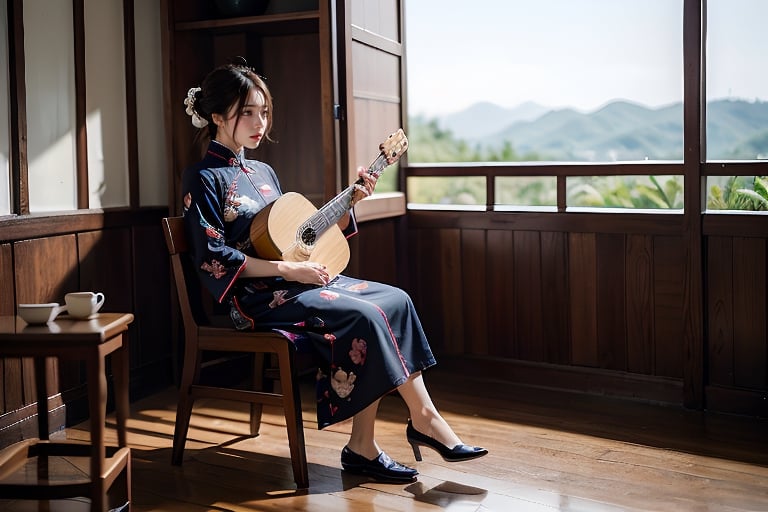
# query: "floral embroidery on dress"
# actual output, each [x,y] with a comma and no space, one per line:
[358,287]
[323,393]
[254,286]
[215,237]
[329,295]
[214,268]
[249,205]
[359,351]
[343,383]
[278,298]
[231,203]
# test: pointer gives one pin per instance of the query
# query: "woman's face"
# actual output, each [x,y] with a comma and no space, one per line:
[248,129]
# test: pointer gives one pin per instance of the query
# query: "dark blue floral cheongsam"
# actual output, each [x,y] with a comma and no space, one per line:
[366,335]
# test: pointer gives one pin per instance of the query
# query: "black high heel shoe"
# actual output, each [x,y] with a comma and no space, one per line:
[458,453]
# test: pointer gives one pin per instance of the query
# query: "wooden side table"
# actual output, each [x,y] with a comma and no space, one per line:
[90,341]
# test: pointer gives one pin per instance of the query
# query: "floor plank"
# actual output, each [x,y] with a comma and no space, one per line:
[548,451]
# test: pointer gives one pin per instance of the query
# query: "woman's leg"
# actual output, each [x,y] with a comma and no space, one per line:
[424,415]
[362,440]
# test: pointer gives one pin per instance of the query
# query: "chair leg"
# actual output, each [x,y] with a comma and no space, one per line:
[257,384]
[190,375]
[293,419]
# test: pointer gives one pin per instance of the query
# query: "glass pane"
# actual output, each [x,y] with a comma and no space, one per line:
[737,80]
[737,193]
[625,192]
[557,80]
[464,191]
[526,191]
[5,136]
[105,103]
[50,82]
[153,180]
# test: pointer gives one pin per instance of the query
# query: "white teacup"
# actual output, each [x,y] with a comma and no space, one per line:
[83,304]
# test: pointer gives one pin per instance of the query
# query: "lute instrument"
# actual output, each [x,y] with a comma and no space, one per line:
[293,229]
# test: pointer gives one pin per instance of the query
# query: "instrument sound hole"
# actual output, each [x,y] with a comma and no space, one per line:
[308,236]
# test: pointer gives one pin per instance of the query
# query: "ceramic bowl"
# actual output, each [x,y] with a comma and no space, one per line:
[40,313]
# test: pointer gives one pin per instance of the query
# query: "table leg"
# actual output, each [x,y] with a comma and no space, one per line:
[120,371]
[97,409]
[41,383]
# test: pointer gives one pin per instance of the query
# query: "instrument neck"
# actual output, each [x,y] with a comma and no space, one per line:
[332,211]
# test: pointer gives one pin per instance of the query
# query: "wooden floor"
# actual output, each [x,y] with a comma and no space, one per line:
[548,451]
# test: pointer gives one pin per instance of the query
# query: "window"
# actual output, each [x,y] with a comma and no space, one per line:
[548,81]
[555,80]
[50,89]
[737,80]
[52,173]
[737,106]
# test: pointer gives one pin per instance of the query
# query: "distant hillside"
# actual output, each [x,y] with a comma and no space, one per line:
[618,131]
[484,119]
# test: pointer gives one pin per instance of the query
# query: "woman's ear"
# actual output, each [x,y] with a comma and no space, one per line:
[218,120]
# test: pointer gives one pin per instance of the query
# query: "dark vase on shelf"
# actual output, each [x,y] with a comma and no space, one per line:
[237,8]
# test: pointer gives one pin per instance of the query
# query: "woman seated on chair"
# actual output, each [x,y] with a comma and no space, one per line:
[367,335]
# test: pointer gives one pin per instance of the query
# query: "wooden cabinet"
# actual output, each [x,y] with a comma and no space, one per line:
[334,68]
[293,51]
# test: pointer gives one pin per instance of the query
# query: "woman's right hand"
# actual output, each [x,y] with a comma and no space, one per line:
[307,272]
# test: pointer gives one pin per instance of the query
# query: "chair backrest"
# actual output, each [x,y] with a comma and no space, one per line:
[176,240]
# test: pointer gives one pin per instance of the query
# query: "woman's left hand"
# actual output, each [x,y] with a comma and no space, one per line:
[366,189]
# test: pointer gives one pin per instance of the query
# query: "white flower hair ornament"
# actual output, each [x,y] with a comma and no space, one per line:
[189,101]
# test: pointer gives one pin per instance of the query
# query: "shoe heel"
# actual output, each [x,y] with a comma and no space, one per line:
[416,451]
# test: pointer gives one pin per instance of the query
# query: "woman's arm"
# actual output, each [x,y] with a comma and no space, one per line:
[308,272]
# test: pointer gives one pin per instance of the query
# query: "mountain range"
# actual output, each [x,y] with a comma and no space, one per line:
[620,130]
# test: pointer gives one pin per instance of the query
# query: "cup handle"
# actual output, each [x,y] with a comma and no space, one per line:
[99,299]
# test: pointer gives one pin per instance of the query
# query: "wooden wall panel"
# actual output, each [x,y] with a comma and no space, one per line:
[150,259]
[613,305]
[473,278]
[528,342]
[749,313]
[582,267]
[45,269]
[554,293]
[7,307]
[374,251]
[639,304]
[719,272]
[7,289]
[105,259]
[448,259]
[611,317]
[669,287]
[423,245]
[502,320]
[296,122]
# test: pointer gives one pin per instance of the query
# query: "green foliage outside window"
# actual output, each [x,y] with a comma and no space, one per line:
[739,193]
[641,192]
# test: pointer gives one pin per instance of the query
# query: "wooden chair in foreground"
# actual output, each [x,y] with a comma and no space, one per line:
[199,337]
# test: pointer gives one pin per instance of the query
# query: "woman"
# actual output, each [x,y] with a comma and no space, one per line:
[367,335]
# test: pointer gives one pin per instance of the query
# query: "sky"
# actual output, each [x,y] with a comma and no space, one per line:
[575,53]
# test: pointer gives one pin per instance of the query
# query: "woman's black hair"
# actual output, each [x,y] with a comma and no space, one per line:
[226,87]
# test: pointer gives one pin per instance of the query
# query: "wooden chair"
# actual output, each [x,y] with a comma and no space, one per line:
[200,337]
